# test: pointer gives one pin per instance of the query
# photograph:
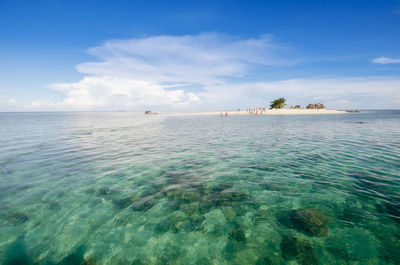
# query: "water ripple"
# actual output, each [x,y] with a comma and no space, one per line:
[120,188]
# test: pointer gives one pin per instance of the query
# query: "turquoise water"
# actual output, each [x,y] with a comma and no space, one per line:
[125,188]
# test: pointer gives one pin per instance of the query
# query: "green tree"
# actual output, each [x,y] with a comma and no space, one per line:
[278,103]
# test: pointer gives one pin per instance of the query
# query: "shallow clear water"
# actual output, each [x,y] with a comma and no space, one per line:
[124,188]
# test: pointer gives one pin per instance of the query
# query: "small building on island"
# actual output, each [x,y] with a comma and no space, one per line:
[315,106]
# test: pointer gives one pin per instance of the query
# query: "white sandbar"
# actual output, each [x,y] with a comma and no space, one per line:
[266,112]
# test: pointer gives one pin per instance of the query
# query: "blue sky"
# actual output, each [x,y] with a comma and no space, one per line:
[134,55]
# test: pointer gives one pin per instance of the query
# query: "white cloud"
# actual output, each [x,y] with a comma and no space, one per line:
[385,60]
[8,101]
[202,58]
[106,92]
[8,104]
[155,72]
[11,101]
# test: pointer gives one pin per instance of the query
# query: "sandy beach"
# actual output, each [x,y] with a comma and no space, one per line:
[266,112]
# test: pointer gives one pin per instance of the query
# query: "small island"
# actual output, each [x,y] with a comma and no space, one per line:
[276,107]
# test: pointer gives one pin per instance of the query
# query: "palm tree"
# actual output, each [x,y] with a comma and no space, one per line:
[278,103]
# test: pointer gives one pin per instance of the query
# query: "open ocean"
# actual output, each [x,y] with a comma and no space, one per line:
[125,188]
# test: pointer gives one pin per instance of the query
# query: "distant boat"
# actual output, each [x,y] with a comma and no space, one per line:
[148,112]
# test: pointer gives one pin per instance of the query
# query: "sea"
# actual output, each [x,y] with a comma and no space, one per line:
[128,188]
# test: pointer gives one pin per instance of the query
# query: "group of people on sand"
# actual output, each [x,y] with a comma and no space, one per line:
[256,111]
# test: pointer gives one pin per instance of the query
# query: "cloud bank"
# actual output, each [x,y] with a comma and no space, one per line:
[157,71]
[206,71]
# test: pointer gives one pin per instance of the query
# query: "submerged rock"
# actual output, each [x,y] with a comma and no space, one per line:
[174,205]
[174,222]
[16,254]
[390,249]
[163,226]
[204,261]
[103,191]
[183,196]
[267,261]
[299,249]
[198,198]
[143,205]
[77,257]
[393,209]
[189,209]
[225,198]
[122,203]
[352,214]
[194,224]
[106,193]
[54,206]
[197,221]
[222,187]
[173,193]
[17,218]
[89,261]
[237,234]
[234,196]
[190,196]
[240,210]
[232,248]
[229,213]
[310,221]
[137,262]
[90,191]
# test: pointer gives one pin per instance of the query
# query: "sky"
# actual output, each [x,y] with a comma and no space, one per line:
[198,55]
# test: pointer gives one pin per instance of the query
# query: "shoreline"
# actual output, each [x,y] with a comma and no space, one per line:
[266,112]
